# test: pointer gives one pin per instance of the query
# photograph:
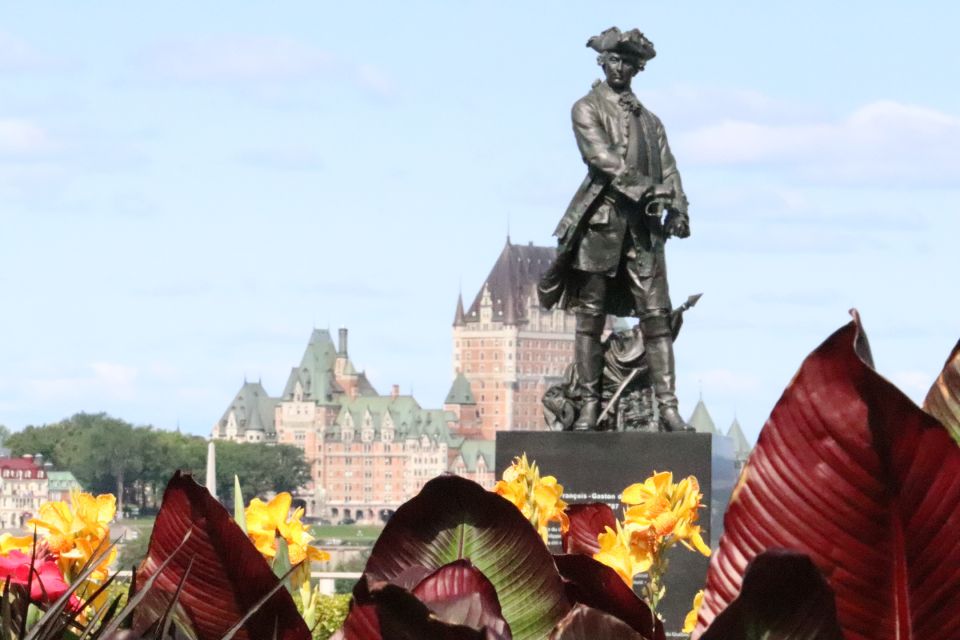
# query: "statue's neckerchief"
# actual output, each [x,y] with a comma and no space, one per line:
[629,103]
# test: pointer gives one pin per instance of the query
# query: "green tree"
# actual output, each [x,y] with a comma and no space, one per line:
[262,468]
[4,434]
[46,440]
[108,455]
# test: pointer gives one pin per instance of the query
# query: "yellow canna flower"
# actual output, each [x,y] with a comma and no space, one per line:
[515,492]
[666,510]
[658,515]
[654,487]
[618,553]
[77,532]
[538,499]
[268,520]
[691,620]
[10,542]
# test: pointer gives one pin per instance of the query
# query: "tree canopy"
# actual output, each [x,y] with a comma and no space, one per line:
[109,455]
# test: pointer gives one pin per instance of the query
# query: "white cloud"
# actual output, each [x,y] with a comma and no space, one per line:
[283,158]
[109,380]
[685,106]
[237,59]
[114,376]
[259,62]
[17,55]
[885,143]
[20,137]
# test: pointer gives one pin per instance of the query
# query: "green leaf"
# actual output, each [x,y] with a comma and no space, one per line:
[453,518]
[238,511]
[34,614]
[281,563]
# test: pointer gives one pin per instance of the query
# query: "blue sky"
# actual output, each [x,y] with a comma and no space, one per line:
[186,191]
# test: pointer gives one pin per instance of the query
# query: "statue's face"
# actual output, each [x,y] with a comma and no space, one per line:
[619,69]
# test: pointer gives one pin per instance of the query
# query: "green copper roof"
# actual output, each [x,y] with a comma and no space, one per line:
[472,450]
[700,419]
[460,391]
[315,373]
[408,418]
[253,408]
[61,481]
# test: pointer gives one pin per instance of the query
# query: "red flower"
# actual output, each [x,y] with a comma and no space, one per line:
[47,584]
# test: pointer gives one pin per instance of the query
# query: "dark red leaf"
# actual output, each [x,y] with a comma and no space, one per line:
[587,521]
[587,623]
[850,472]
[597,585]
[453,518]
[362,623]
[411,577]
[943,400]
[395,614]
[459,594]
[783,596]
[228,576]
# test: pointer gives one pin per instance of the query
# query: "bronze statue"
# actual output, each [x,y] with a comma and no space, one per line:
[610,257]
[626,390]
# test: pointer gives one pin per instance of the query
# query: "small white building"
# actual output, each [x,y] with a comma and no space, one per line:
[23,487]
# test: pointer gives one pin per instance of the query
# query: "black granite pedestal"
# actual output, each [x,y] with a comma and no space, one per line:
[598,466]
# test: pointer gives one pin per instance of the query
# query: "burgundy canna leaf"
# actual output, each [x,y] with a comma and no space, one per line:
[943,400]
[587,521]
[396,614]
[850,472]
[459,594]
[783,596]
[453,518]
[228,576]
[587,623]
[362,623]
[596,585]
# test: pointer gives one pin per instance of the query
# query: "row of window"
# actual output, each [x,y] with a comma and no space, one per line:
[20,473]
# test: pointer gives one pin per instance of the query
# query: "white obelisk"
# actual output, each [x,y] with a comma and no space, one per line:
[212,469]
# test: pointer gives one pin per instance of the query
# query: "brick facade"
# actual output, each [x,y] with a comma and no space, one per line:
[508,348]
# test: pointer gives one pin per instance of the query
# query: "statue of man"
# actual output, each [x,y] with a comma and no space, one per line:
[610,258]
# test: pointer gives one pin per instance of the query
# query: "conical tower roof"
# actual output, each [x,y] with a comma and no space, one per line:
[741,448]
[700,419]
[460,391]
[511,281]
[459,318]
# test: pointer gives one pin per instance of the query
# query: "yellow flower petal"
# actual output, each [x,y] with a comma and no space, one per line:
[691,620]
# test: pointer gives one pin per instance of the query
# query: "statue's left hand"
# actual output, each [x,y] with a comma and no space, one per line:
[677,225]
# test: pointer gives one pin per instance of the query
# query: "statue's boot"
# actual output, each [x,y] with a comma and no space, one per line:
[659,348]
[588,353]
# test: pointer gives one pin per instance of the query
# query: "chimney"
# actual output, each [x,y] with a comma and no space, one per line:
[342,348]
[38,459]
[395,391]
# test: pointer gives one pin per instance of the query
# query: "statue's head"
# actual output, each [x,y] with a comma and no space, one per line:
[622,54]
[619,68]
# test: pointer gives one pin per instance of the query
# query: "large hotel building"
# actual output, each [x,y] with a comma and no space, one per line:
[368,453]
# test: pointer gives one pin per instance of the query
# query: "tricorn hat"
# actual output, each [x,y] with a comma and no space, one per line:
[631,43]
